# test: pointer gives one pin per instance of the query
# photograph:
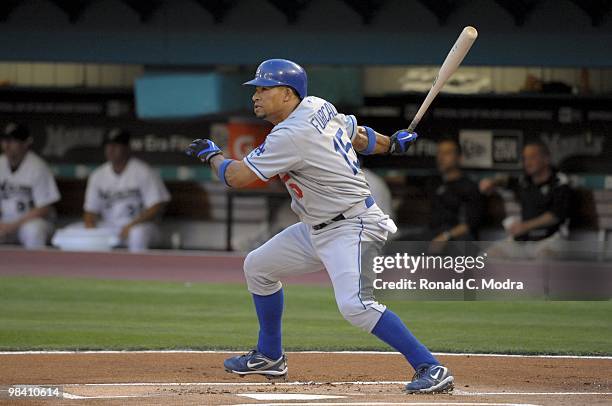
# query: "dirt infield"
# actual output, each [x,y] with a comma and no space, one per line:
[197,378]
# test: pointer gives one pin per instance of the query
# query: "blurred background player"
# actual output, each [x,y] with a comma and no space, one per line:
[457,207]
[125,195]
[545,197]
[380,191]
[27,191]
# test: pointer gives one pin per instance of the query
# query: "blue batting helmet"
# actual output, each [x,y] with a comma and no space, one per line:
[281,72]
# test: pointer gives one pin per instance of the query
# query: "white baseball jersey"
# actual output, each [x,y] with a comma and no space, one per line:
[312,153]
[119,198]
[31,185]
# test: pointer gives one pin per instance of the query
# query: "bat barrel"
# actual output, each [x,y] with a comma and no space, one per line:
[449,66]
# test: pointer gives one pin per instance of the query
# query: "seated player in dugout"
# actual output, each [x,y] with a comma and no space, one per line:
[457,207]
[544,195]
[313,148]
[27,191]
[125,195]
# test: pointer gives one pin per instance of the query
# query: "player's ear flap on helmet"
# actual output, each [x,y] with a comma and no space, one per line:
[295,92]
[281,72]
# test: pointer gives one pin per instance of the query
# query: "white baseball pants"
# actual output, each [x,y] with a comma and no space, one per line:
[339,248]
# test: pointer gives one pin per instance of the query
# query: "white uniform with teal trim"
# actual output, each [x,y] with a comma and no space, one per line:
[311,151]
[119,198]
[29,186]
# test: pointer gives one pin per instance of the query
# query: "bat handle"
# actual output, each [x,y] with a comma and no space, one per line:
[412,125]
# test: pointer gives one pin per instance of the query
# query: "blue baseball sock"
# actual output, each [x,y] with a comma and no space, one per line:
[392,330]
[270,312]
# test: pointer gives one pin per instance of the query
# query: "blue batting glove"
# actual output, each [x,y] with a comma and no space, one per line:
[203,149]
[401,141]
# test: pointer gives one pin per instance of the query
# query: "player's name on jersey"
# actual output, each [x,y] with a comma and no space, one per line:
[323,116]
[452,284]
[8,190]
[119,194]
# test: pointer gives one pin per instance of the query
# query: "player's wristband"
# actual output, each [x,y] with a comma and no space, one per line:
[371,141]
[222,169]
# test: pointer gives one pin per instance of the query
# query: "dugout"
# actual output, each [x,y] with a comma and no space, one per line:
[535,72]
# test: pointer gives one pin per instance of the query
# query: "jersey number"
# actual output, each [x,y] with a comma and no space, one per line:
[343,150]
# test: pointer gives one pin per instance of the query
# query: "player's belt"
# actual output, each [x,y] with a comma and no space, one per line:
[368,202]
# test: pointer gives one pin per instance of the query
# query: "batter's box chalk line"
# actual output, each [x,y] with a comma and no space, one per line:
[67,395]
[446,354]
[296,383]
[466,393]
[287,396]
[338,383]
[388,404]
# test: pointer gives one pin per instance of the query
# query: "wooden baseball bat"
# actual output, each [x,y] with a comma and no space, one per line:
[449,66]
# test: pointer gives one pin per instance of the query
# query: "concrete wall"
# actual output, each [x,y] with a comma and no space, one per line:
[338,83]
[59,74]
[380,80]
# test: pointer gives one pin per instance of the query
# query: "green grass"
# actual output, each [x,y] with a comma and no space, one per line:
[60,313]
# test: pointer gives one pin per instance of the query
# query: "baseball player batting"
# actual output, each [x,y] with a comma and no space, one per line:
[313,149]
